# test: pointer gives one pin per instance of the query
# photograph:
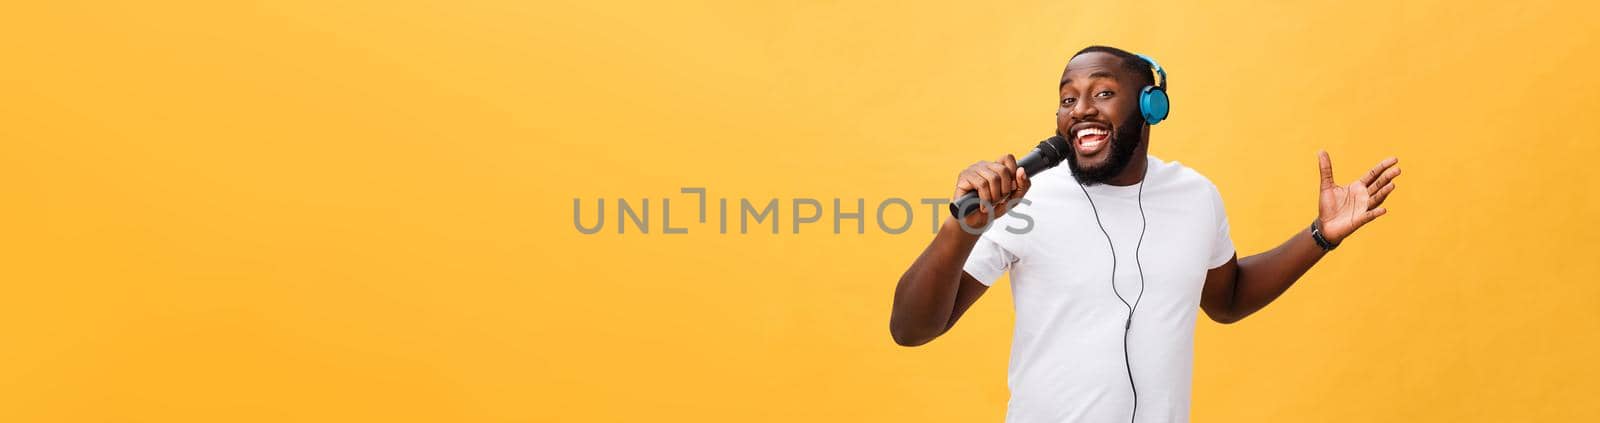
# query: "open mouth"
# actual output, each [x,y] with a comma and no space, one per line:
[1090,138]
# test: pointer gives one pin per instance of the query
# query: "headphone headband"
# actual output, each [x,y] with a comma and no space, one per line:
[1157,67]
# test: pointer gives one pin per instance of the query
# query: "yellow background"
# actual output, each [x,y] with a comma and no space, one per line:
[362,211]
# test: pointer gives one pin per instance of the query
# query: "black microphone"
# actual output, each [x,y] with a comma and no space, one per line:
[1048,154]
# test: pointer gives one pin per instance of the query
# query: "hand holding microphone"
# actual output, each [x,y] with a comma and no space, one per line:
[985,190]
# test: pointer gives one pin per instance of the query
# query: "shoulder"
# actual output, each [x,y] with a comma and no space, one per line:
[1176,175]
[1186,186]
[1175,172]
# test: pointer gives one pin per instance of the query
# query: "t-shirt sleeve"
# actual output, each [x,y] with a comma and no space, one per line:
[1222,243]
[989,259]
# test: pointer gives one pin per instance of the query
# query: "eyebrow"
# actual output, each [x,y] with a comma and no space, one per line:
[1095,75]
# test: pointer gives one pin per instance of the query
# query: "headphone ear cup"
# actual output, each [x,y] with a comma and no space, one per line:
[1153,104]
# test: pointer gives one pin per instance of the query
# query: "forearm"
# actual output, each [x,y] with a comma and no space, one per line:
[1240,287]
[1265,276]
[925,298]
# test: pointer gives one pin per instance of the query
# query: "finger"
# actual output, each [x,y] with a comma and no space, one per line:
[1004,204]
[1007,178]
[991,186]
[1019,184]
[977,183]
[1023,183]
[999,183]
[1373,214]
[1325,164]
[984,190]
[1385,177]
[969,176]
[1018,177]
[1010,162]
[1372,175]
[962,186]
[964,182]
[1383,194]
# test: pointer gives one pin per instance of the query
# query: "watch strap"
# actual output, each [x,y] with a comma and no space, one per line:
[1316,235]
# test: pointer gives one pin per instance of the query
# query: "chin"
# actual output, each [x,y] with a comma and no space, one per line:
[1094,164]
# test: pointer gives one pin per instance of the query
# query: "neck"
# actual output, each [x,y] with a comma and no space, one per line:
[1133,173]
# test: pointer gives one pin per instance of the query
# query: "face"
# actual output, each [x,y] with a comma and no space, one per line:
[1099,116]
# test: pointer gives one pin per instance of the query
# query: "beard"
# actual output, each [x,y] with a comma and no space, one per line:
[1124,141]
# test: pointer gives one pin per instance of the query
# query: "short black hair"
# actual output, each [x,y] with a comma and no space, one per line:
[1132,63]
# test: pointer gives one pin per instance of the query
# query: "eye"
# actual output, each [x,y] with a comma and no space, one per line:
[1103,94]
[1068,101]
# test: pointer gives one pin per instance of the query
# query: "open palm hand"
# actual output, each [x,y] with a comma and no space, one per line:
[1343,209]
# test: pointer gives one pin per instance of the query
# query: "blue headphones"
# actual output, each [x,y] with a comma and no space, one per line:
[1153,102]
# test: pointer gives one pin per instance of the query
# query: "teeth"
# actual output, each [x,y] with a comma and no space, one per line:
[1091,131]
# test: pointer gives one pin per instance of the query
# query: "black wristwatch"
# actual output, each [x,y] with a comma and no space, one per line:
[1316,235]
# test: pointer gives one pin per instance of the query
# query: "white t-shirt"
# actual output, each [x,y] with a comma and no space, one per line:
[1067,362]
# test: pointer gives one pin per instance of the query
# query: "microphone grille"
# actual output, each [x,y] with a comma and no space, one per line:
[1054,148]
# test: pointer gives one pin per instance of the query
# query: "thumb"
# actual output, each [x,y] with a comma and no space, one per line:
[1326,166]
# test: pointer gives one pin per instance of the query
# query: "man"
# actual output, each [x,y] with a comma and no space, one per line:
[1121,250]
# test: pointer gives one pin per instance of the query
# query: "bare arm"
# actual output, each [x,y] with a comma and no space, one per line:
[935,291]
[1241,287]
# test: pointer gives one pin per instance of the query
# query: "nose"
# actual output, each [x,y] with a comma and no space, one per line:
[1080,110]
